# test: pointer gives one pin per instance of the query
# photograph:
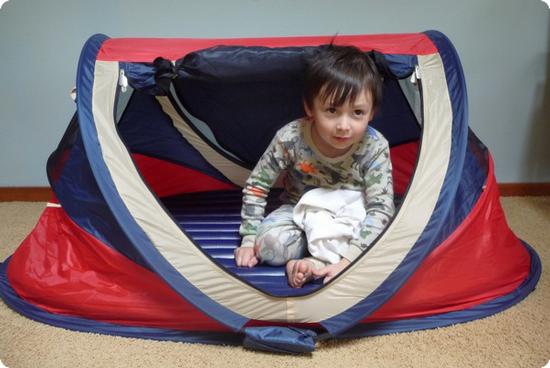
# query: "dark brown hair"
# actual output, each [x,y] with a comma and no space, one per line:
[339,74]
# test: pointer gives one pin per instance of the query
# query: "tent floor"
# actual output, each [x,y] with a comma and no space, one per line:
[212,220]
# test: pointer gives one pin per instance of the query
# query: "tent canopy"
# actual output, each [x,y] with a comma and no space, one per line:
[147,185]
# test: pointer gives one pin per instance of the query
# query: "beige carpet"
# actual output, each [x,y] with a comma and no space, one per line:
[517,337]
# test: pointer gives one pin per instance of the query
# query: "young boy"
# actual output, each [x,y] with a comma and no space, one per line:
[332,147]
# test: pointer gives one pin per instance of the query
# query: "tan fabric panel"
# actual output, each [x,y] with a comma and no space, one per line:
[167,237]
[235,173]
[357,283]
[370,271]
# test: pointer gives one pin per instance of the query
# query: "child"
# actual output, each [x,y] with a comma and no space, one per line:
[333,148]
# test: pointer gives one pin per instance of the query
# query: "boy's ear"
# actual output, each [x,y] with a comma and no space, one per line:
[307,109]
[372,113]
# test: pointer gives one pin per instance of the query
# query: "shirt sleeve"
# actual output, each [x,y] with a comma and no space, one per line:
[379,203]
[257,187]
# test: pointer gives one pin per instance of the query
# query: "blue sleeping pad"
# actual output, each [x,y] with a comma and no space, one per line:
[212,221]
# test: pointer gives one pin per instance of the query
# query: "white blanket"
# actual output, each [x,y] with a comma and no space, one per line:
[330,218]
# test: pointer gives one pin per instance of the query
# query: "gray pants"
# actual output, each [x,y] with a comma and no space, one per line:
[280,240]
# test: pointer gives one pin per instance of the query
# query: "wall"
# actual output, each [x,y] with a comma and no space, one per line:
[503,44]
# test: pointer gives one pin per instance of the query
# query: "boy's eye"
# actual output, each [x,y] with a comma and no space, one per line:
[359,112]
[331,110]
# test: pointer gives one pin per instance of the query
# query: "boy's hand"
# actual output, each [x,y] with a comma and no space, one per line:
[328,272]
[246,257]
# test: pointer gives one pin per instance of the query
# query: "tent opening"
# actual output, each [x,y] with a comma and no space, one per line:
[233,116]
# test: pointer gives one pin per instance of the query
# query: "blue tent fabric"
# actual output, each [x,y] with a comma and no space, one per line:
[288,340]
[134,232]
[269,93]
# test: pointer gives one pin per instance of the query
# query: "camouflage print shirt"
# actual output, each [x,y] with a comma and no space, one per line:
[366,167]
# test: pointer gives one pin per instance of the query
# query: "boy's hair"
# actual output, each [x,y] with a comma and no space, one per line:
[339,74]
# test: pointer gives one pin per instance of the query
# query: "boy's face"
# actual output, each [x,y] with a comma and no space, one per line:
[336,129]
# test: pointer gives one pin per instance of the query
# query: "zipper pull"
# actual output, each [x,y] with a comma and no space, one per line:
[415,76]
[123,81]
[73,94]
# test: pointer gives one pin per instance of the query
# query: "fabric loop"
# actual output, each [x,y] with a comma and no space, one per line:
[164,74]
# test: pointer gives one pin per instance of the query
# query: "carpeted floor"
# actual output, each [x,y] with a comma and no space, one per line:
[517,337]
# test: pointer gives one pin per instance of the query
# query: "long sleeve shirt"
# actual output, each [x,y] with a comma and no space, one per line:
[365,167]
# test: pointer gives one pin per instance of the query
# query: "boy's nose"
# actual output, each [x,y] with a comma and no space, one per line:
[343,124]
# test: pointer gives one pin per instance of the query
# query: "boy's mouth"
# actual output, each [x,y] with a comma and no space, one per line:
[342,139]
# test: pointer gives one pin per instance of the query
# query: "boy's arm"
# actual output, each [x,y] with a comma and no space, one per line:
[257,187]
[379,204]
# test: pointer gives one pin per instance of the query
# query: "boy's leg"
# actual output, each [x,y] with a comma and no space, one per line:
[279,239]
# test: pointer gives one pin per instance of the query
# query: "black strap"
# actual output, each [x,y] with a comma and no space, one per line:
[165,73]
